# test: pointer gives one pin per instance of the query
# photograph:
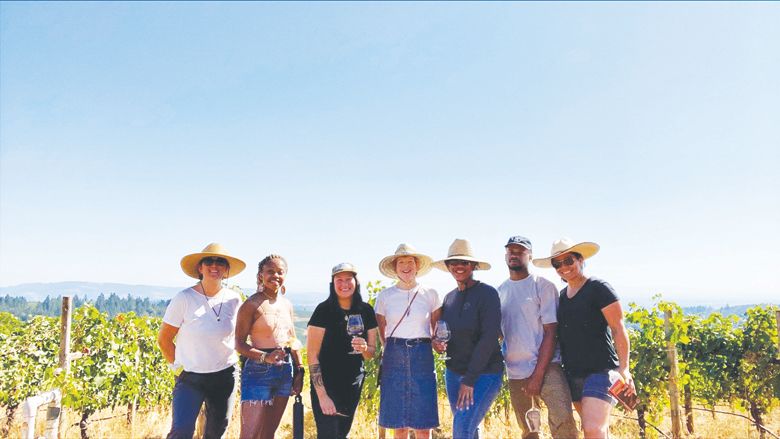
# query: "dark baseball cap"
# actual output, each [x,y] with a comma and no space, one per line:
[519,240]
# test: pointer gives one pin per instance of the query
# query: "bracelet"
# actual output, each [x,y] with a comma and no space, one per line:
[262,357]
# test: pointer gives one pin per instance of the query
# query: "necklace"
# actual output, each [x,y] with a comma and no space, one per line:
[216,313]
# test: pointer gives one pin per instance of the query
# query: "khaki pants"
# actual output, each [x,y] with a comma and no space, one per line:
[556,396]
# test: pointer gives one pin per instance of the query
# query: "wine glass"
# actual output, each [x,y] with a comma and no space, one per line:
[442,334]
[354,327]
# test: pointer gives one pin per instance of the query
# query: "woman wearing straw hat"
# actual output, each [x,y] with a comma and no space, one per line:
[202,321]
[475,369]
[336,373]
[407,313]
[593,338]
[265,336]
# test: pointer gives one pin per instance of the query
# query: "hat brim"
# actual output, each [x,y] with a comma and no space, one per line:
[387,265]
[586,249]
[442,265]
[189,263]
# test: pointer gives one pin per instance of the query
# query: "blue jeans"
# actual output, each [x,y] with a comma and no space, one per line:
[465,423]
[216,389]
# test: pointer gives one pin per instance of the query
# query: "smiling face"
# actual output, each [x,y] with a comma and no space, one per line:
[569,266]
[213,268]
[460,270]
[406,268]
[344,284]
[272,274]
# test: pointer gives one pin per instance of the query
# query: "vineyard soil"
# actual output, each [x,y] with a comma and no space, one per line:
[155,423]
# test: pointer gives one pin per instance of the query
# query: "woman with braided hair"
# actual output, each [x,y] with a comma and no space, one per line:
[265,336]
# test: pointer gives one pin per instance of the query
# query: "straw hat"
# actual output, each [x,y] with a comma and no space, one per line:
[190,263]
[566,245]
[461,250]
[387,264]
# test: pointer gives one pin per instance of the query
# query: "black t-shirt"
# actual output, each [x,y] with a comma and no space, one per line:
[585,337]
[339,367]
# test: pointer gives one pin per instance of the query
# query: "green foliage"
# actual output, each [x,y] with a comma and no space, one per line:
[648,362]
[28,352]
[720,358]
[712,357]
[124,365]
[758,383]
[370,395]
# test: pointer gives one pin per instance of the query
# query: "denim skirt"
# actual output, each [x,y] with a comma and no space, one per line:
[263,382]
[408,397]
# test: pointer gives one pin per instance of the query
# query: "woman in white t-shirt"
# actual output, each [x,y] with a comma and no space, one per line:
[202,320]
[407,313]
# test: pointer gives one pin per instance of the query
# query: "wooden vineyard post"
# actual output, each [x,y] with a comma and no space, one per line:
[674,391]
[66,312]
[777,318]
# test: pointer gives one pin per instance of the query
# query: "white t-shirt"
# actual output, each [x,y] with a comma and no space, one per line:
[203,343]
[392,302]
[526,305]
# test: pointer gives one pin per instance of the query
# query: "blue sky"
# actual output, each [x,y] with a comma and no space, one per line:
[132,134]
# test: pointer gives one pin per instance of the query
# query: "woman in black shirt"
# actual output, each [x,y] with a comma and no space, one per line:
[593,338]
[336,374]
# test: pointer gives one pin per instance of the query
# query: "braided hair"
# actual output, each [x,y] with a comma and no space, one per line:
[265,261]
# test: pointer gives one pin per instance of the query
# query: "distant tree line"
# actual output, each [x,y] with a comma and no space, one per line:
[111,305]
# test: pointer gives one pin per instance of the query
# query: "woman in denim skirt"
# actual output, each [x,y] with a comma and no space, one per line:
[335,358]
[475,369]
[407,312]
[265,336]
[593,337]
[197,336]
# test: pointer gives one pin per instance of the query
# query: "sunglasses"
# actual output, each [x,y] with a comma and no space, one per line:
[558,264]
[211,260]
[457,262]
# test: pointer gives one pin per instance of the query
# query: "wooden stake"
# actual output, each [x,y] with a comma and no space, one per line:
[674,391]
[777,317]
[66,312]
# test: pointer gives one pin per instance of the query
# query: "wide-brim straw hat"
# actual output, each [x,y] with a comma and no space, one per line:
[190,263]
[566,245]
[461,249]
[387,264]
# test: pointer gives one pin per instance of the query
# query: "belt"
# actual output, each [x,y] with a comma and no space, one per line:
[409,342]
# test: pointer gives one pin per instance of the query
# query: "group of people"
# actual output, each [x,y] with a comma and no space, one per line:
[561,348]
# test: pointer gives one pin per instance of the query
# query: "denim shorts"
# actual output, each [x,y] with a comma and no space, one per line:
[408,397]
[594,385]
[264,382]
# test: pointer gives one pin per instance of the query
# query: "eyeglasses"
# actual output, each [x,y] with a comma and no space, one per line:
[211,260]
[558,264]
[457,262]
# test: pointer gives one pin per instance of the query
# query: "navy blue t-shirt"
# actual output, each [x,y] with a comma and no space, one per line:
[474,318]
[583,333]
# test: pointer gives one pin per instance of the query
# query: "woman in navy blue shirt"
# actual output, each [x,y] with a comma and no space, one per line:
[475,369]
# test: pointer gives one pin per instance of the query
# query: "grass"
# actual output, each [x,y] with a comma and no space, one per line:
[155,424]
